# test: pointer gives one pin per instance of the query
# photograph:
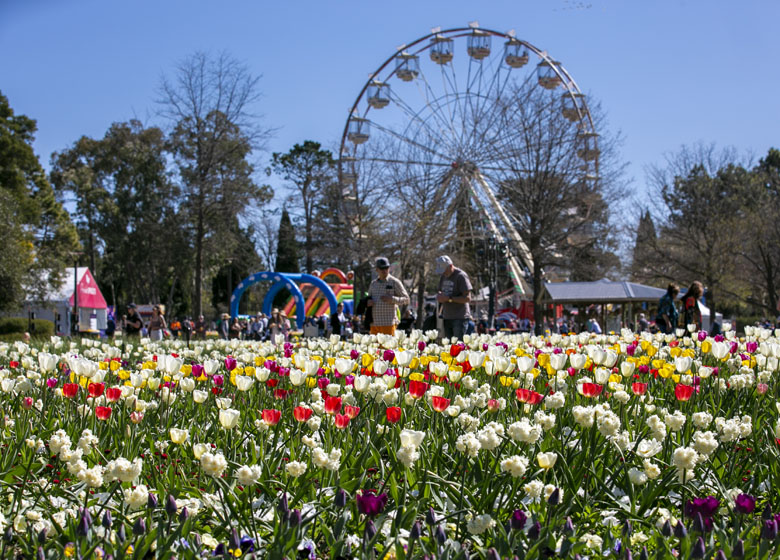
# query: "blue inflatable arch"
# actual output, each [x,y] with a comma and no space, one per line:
[282,280]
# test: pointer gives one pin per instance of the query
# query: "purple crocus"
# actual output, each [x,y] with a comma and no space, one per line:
[370,504]
[745,503]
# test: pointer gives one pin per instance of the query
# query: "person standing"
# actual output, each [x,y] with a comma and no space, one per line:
[337,320]
[387,293]
[691,309]
[666,318]
[224,326]
[132,321]
[157,324]
[454,296]
[200,328]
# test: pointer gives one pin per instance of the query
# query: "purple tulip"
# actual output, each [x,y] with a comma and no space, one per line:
[218,380]
[354,354]
[197,370]
[370,504]
[702,336]
[751,346]
[706,506]
[769,530]
[230,363]
[745,503]
[420,345]
[388,355]
[518,520]
[51,382]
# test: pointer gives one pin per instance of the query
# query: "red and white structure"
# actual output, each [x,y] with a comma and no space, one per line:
[81,295]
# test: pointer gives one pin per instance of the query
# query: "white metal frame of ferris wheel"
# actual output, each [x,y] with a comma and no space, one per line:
[551,74]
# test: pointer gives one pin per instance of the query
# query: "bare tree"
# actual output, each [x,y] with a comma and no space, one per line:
[564,216]
[209,103]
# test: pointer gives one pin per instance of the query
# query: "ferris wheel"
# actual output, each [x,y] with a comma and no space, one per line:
[443,110]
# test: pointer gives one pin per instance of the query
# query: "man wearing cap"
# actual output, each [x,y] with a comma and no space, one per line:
[454,296]
[133,322]
[386,293]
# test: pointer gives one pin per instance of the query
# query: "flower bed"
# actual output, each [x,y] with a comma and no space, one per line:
[587,445]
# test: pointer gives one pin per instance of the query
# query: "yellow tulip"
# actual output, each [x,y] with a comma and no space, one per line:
[651,351]
[706,347]
[367,360]
[186,369]
[259,361]
[113,365]
[311,382]
[250,371]
[614,378]
[103,366]
[506,381]
[543,359]
[123,374]
[675,352]
[689,353]
[535,372]
[445,357]
[414,364]
[417,377]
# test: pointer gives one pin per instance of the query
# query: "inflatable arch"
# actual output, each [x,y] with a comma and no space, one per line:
[282,280]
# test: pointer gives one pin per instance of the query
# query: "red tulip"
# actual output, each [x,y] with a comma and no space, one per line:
[352,411]
[113,394]
[528,396]
[440,404]
[271,416]
[683,392]
[281,394]
[27,403]
[592,389]
[332,404]
[455,350]
[341,420]
[103,412]
[393,414]
[639,388]
[70,390]
[96,389]
[417,388]
[301,413]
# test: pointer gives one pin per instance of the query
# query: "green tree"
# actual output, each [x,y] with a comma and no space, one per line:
[642,256]
[309,170]
[701,191]
[214,133]
[244,261]
[125,206]
[38,235]
[287,259]
[760,249]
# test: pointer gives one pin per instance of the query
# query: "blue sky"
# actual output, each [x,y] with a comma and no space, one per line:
[667,72]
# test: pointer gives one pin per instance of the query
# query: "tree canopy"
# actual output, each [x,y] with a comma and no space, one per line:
[38,236]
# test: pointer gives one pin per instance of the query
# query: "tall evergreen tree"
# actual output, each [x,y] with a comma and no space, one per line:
[37,233]
[646,240]
[287,259]
[309,170]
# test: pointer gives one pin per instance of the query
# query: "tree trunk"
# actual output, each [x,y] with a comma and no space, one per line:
[309,258]
[538,295]
[420,298]
[199,266]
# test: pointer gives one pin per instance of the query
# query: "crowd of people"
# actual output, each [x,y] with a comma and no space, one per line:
[380,311]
